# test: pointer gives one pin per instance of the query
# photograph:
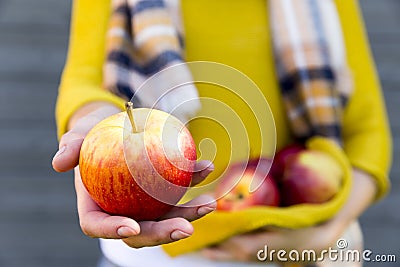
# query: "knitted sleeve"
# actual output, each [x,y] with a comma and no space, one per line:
[366,134]
[81,82]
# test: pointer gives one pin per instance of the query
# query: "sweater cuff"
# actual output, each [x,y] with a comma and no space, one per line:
[380,177]
[69,101]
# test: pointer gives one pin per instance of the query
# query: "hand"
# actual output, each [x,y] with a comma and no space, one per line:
[246,247]
[96,223]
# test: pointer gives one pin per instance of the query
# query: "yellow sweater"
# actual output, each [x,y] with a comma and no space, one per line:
[236,33]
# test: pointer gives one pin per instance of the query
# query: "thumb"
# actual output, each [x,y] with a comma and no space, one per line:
[67,157]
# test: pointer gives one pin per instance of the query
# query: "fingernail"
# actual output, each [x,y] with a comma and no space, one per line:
[204,210]
[125,231]
[178,235]
[60,151]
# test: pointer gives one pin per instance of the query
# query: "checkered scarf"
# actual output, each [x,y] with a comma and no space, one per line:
[311,66]
[308,47]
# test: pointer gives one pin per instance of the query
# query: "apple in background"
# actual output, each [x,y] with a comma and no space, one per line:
[281,158]
[239,197]
[139,170]
[310,177]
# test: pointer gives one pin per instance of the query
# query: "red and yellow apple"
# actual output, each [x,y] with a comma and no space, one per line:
[235,187]
[280,159]
[138,169]
[310,177]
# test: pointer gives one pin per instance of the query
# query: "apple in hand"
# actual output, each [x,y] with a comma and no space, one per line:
[240,197]
[281,158]
[139,169]
[310,177]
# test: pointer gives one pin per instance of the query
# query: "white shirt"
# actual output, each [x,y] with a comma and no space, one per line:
[120,254]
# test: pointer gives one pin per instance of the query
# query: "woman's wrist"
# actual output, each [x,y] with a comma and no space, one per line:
[361,196]
[107,109]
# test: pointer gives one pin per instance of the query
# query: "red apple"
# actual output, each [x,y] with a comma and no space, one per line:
[238,197]
[138,171]
[310,177]
[281,158]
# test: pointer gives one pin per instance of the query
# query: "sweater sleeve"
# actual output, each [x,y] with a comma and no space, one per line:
[367,139]
[81,82]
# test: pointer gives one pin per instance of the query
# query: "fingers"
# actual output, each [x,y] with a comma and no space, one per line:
[101,225]
[162,232]
[95,223]
[194,209]
[217,254]
[201,205]
[202,170]
[241,248]
[67,156]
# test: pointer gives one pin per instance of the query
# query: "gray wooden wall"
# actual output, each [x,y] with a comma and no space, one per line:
[381,223]
[38,221]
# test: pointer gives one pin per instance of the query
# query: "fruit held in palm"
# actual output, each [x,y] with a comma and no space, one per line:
[238,196]
[138,170]
[310,177]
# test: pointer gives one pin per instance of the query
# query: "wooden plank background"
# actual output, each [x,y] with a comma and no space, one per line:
[38,221]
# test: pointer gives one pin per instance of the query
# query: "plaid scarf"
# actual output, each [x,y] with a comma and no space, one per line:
[142,40]
[308,47]
[311,66]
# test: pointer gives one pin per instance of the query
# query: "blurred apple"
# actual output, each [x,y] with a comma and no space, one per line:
[138,169]
[281,158]
[238,197]
[310,177]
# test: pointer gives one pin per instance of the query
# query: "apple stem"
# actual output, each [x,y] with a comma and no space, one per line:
[129,110]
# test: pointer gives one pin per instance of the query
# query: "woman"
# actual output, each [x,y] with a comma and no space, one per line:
[235,33]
